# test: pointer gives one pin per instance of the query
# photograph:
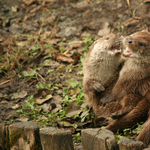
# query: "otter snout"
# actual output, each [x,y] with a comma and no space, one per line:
[129,40]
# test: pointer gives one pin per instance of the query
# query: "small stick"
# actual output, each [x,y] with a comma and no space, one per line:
[38,75]
[15,59]
[5,82]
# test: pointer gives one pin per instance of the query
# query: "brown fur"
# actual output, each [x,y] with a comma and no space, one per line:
[144,135]
[134,79]
[117,109]
[101,67]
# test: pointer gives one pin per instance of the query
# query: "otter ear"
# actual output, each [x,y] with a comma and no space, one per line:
[145,30]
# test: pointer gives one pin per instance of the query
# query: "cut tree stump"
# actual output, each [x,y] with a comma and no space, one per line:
[98,139]
[128,144]
[24,136]
[56,139]
[2,136]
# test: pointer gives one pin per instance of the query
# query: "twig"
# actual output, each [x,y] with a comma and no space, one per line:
[38,75]
[15,59]
[136,9]
[5,82]
[55,25]
[128,2]
[42,49]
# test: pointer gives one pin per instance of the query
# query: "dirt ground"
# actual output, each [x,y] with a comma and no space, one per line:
[38,42]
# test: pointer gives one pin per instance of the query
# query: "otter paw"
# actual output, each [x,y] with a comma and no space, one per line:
[105,100]
[117,114]
[114,115]
[98,87]
[102,121]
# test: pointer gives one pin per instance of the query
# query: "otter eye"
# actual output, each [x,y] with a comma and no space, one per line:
[140,44]
[107,38]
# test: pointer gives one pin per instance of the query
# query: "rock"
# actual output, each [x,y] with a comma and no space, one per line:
[97,139]
[2,136]
[128,144]
[54,139]
[24,134]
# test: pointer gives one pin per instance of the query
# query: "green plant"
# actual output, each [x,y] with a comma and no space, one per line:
[138,129]
[30,108]
[88,41]
[73,84]
[49,86]
[49,71]
[77,138]
[121,27]
[69,68]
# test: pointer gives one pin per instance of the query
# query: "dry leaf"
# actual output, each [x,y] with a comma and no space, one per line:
[36,8]
[72,113]
[41,93]
[25,18]
[15,106]
[21,94]
[41,101]
[65,124]
[52,106]
[76,57]
[23,119]
[62,58]
[51,63]
[46,107]
[22,43]
[6,22]
[1,50]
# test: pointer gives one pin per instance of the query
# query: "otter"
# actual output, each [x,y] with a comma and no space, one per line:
[101,68]
[134,79]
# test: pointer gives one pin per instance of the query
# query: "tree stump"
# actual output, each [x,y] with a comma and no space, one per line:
[128,144]
[97,139]
[2,136]
[24,136]
[56,139]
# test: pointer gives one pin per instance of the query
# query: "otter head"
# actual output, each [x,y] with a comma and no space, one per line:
[138,45]
[111,44]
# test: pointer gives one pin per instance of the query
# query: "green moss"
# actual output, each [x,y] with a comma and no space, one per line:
[7,145]
[14,136]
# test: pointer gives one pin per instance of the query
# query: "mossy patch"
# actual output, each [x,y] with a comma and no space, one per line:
[14,136]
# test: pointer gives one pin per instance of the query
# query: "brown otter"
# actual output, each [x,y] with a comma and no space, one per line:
[101,67]
[134,78]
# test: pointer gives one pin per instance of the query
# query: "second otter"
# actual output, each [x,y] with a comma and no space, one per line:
[134,79]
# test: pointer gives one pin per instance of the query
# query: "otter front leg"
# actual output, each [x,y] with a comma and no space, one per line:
[129,102]
[121,112]
[137,115]
[95,85]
